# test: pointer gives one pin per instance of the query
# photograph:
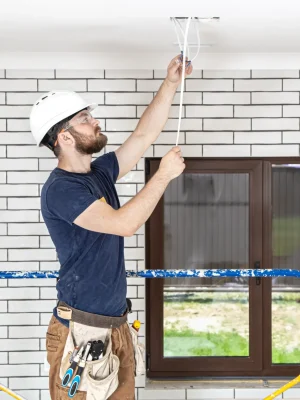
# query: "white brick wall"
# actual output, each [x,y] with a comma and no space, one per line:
[230,113]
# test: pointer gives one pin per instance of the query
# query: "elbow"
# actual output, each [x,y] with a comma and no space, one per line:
[130,230]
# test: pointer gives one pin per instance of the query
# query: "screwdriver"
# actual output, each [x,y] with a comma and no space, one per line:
[68,375]
[76,380]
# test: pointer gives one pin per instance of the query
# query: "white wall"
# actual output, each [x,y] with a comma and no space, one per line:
[236,113]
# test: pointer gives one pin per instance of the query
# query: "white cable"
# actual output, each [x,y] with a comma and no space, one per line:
[197,22]
[182,31]
[178,39]
[183,76]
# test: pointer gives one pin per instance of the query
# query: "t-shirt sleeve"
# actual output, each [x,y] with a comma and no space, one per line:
[108,163]
[67,199]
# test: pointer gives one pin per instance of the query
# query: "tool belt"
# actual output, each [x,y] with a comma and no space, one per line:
[98,378]
[85,318]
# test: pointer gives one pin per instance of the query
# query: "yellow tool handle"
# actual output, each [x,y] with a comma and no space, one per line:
[283,388]
[12,394]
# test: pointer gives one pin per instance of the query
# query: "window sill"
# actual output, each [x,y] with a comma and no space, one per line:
[243,383]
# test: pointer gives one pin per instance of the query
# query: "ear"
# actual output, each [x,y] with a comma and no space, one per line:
[65,138]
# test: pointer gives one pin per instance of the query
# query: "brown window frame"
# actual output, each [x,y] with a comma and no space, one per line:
[259,361]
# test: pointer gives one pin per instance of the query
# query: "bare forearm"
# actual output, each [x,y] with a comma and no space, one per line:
[156,114]
[136,212]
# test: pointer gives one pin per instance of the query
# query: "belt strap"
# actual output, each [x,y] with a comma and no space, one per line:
[85,318]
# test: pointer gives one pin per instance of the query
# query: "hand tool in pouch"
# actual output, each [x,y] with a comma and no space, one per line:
[96,349]
[70,371]
[76,380]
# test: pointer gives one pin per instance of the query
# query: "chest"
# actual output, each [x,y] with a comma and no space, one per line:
[103,189]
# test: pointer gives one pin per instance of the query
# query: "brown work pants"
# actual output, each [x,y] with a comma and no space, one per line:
[122,347]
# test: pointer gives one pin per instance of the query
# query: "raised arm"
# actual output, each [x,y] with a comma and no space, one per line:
[100,217]
[152,121]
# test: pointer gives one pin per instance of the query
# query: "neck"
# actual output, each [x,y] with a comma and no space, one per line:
[76,163]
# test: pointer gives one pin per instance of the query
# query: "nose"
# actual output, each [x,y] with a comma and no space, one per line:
[95,122]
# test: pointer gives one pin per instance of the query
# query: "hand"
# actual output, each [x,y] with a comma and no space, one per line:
[175,70]
[172,164]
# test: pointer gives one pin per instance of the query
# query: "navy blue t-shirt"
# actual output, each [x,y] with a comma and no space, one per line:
[92,275]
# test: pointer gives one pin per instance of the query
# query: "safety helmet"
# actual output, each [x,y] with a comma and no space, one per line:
[52,108]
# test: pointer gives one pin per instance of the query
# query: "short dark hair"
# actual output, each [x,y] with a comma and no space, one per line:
[51,136]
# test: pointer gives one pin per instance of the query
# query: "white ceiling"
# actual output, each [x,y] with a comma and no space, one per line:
[132,27]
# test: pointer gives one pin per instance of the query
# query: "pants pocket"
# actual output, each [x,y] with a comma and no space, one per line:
[139,351]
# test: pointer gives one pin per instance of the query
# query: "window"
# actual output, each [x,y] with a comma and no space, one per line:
[239,214]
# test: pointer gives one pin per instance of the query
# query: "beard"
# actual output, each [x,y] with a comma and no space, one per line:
[86,145]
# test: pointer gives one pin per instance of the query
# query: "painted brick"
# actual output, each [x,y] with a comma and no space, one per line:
[117,137]
[23,98]
[27,177]
[292,393]
[115,112]
[45,395]
[15,111]
[3,331]
[275,73]
[161,74]
[18,85]
[121,124]
[189,98]
[257,137]
[73,85]
[26,306]
[3,308]
[14,293]
[134,254]
[29,383]
[2,98]
[26,394]
[174,111]
[24,203]
[227,124]
[30,73]
[18,125]
[16,138]
[187,151]
[93,97]
[49,265]
[16,242]
[79,73]
[226,98]
[2,178]
[128,98]
[28,151]
[258,85]
[18,165]
[21,344]
[291,111]
[32,255]
[19,216]
[3,253]
[2,125]
[128,73]
[3,204]
[19,319]
[187,124]
[272,124]
[48,293]
[19,370]
[169,137]
[3,358]
[149,85]
[2,151]
[209,85]
[291,85]
[257,111]
[47,164]
[227,73]
[131,292]
[110,85]
[275,98]
[275,150]
[3,229]
[46,242]
[209,137]
[32,282]
[291,137]
[45,318]
[27,229]
[27,331]
[18,190]
[226,151]
[19,266]
[27,357]
[209,111]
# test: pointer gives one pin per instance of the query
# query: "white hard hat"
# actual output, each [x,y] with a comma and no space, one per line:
[52,108]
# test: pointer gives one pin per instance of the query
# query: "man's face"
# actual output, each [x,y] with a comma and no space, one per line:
[87,133]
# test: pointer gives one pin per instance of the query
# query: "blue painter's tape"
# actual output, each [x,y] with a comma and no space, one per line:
[171,273]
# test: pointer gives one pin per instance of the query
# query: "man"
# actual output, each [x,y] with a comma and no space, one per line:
[87,225]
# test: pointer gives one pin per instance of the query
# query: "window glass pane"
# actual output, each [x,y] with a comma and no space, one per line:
[286,254]
[206,226]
